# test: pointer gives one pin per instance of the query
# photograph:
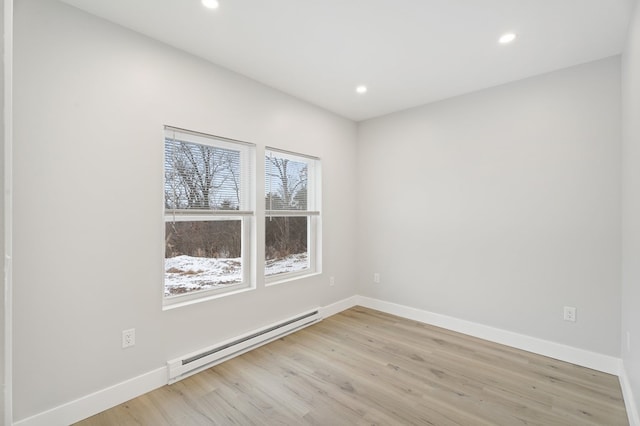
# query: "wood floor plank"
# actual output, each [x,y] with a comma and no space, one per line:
[363,366]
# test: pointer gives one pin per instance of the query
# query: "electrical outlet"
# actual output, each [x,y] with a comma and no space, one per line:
[332,281]
[376,277]
[570,313]
[128,337]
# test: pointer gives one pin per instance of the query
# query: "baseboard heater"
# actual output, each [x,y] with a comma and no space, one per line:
[195,362]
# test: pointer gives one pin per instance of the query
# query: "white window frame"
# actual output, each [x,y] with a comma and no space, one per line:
[245,214]
[313,214]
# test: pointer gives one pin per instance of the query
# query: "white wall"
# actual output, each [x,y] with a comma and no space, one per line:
[501,206]
[631,206]
[90,102]
[2,145]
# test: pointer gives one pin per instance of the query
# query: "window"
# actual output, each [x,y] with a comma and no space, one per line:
[292,215]
[208,211]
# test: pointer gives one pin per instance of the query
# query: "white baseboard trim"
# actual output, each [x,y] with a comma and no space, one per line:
[117,394]
[629,401]
[104,399]
[593,360]
[339,306]
[99,401]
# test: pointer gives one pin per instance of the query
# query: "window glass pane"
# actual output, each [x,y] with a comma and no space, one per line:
[201,176]
[285,183]
[202,255]
[286,244]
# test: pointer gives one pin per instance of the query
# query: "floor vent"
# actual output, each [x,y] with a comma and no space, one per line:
[195,362]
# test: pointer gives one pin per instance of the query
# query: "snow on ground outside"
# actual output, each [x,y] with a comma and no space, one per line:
[184,274]
[291,263]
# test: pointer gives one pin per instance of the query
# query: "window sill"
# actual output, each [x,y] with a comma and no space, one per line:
[291,278]
[178,304]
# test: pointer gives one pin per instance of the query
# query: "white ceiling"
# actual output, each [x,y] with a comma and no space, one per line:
[408,52]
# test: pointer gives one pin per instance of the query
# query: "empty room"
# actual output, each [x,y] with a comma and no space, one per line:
[298,212]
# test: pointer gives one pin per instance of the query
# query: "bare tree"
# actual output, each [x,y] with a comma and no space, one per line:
[288,191]
[200,176]
[290,178]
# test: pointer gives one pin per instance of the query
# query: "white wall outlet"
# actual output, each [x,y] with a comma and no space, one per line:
[570,313]
[376,277]
[332,281]
[128,337]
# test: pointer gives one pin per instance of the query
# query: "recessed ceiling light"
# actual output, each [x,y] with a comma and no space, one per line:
[507,38]
[361,89]
[210,4]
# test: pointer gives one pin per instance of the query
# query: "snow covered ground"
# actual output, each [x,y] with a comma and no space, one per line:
[291,263]
[184,274]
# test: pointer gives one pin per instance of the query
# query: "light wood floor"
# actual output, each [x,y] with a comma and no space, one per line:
[366,367]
